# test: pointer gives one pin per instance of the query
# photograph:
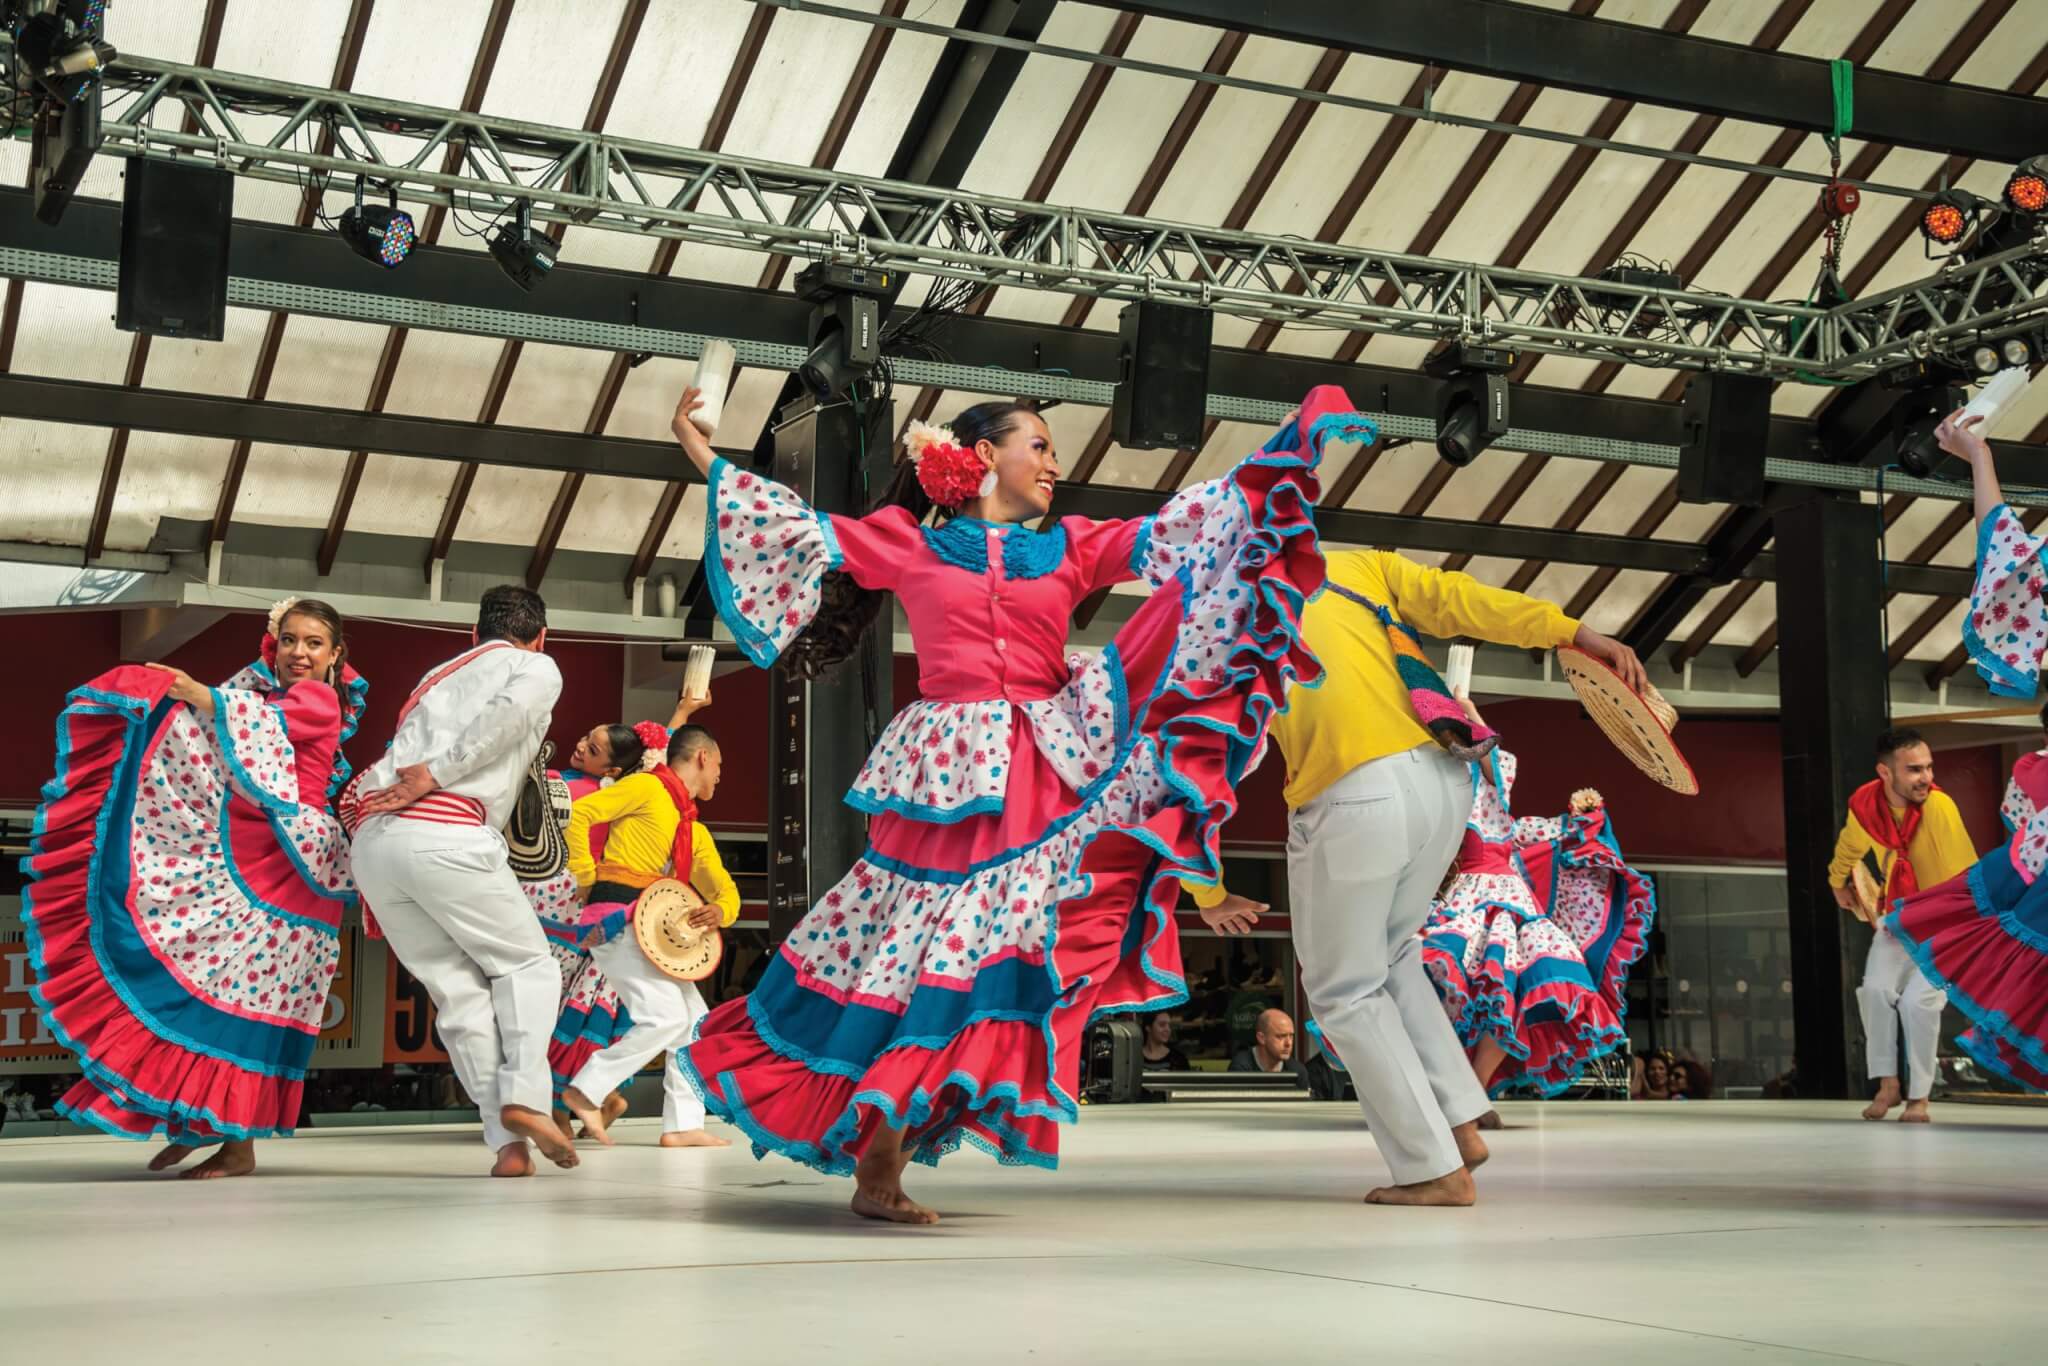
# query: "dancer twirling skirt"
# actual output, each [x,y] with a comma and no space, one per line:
[186,889]
[1531,942]
[1983,936]
[1031,814]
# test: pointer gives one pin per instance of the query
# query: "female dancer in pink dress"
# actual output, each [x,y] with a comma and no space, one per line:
[1531,942]
[186,888]
[1983,936]
[1030,817]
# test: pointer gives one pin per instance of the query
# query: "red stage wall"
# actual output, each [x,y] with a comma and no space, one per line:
[1738,817]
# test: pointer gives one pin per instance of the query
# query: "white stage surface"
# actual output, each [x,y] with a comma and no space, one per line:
[1715,1232]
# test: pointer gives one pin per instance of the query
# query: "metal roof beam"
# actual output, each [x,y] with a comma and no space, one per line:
[1631,61]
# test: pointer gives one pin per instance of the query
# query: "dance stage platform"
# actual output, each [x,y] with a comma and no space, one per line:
[1189,1232]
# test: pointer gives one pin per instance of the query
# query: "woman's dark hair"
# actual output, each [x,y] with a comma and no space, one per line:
[847,610]
[328,615]
[625,746]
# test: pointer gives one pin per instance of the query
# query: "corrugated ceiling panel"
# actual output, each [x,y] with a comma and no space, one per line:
[1236,128]
[686,533]
[163,476]
[67,333]
[1046,88]
[508,506]
[1394,476]
[301,49]
[1615,608]
[1943,638]
[553,387]
[53,469]
[443,374]
[401,495]
[289,485]
[1755,617]
[221,367]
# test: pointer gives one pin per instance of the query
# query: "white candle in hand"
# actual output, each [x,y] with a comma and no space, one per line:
[697,671]
[714,377]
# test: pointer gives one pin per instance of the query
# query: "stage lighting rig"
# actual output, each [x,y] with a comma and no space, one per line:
[1947,220]
[1472,405]
[383,234]
[525,255]
[55,55]
[845,331]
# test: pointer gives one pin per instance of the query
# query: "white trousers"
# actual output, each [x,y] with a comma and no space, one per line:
[1364,860]
[455,916]
[665,1014]
[1895,994]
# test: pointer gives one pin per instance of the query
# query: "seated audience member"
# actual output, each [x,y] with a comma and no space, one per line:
[1650,1078]
[1157,1051]
[1272,1048]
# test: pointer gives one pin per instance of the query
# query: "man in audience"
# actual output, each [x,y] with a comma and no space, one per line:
[1272,1048]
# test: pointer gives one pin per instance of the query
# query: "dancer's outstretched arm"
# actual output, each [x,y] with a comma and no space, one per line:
[1958,436]
[695,444]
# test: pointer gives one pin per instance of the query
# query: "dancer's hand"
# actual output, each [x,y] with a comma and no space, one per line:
[414,782]
[1958,435]
[1234,914]
[1846,899]
[1615,656]
[695,444]
[1466,705]
[188,689]
[706,918]
[687,707]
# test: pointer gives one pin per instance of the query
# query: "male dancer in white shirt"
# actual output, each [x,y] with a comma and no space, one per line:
[431,867]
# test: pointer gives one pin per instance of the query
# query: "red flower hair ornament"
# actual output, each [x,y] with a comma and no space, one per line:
[654,736]
[948,472]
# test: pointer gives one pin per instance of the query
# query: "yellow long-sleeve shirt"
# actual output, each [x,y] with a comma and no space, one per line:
[643,823]
[1361,712]
[1939,849]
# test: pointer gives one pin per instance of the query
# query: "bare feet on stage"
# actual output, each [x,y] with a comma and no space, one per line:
[587,1110]
[614,1109]
[566,1122]
[1456,1190]
[171,1155]
[1490,1121]
[514,1159]
[539,1130]
[1471,1147]
[878,1183]
[237,1157]
[693,1138]
[1888,1095]
[1916,1113]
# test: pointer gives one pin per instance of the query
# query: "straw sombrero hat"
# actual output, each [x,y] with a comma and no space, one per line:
[1639,725]
[1869,892]
[661,924]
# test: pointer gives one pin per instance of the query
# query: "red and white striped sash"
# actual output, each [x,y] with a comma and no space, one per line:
[441,808]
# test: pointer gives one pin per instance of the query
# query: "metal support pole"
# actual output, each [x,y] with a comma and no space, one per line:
[819,732]
[1831,681]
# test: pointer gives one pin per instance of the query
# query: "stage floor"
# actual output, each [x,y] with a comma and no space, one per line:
[1758,1231]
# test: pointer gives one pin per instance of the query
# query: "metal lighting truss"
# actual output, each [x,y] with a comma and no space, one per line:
[627,186]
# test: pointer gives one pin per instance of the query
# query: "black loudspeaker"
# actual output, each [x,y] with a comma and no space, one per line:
[1727,428]
[175,217]
[1163,379]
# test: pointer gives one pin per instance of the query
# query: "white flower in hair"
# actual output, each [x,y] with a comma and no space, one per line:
[920,437]
[277,613]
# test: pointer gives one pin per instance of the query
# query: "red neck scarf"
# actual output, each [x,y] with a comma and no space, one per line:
[686,807]
[1871,805]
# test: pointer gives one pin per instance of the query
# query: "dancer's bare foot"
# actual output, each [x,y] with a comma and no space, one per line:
[237,1157]
[1888,1095]
[1471,1147]
[1916,1113]
[566,1122]
[540,1130]
[1455,1189]
[171,1155]
[514,1159]
[589,1112]
[878,1189]
[693,1138]
[1490,1121]
[613,1110]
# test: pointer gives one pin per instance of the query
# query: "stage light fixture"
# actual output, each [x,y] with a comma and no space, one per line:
[1914,418]
[2026,189]
[845,326]
[1947,220]
[2015,351]
[525,255]
[383,234]
[1472,405]
[1984,359]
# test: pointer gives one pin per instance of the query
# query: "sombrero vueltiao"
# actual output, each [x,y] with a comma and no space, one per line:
[1639,726]
[661,925]
[1868,890]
